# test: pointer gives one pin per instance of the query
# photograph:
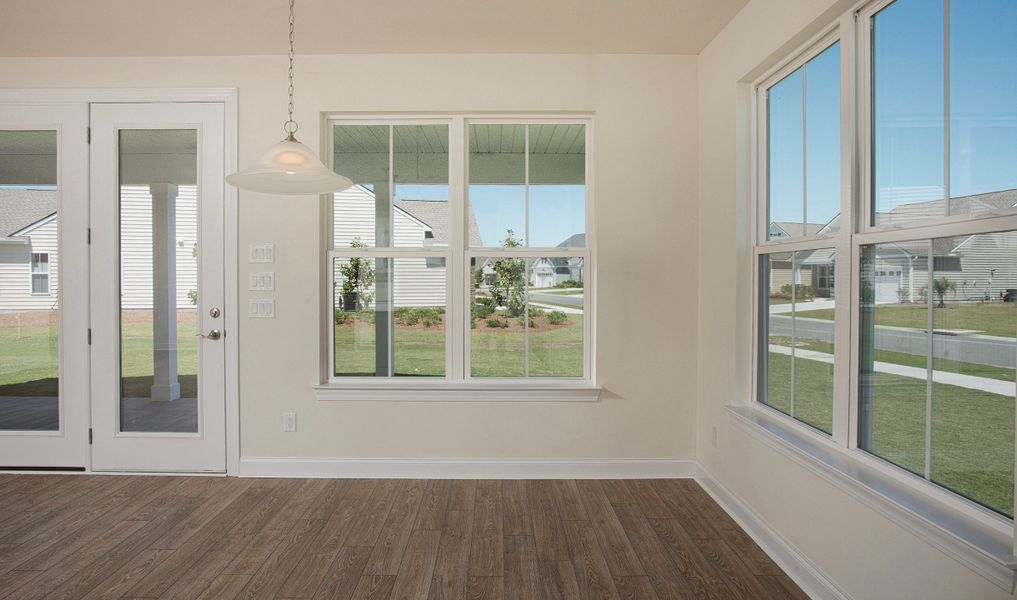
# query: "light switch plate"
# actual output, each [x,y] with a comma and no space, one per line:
[261,282]
[261,308]
[289,421]
[262,253]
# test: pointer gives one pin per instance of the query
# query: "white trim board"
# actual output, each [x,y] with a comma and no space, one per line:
[813,581]
[606,468]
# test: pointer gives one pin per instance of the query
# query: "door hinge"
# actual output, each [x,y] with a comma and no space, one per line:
[89,336]
[88,135]
[89,435]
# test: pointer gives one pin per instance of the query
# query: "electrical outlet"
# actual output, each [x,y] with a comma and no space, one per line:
[261,308]
[714,436]
[261,282]
[289,422]
[261,253]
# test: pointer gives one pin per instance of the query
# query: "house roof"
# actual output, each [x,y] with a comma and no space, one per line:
[791,229]
[961,205]
[576,240]
[435,214]
[20,208]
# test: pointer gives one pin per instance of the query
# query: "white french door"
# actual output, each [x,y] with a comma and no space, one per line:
[157,293]
[43,285]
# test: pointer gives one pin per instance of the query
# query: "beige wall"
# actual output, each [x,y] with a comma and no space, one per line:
[860,550]
[646,185]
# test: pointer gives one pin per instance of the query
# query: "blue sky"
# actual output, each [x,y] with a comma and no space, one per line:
[556,211]
[908,111]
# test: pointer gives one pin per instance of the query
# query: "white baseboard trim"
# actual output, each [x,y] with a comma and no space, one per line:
[813,581]
[594,468]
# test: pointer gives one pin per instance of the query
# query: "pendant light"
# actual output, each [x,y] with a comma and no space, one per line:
[290,167]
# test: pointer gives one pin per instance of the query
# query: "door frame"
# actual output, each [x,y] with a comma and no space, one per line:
[227,96]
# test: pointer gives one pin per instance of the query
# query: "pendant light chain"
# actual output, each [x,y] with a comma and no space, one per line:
[290,126]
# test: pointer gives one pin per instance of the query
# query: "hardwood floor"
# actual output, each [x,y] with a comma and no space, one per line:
[99,536]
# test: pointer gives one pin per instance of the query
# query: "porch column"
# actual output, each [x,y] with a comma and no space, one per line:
[165,384]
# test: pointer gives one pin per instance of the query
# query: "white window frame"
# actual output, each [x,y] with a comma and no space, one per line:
[458,384]
[32,273]
[914,497]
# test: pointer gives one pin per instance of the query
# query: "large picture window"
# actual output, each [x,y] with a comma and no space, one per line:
[455,259]
[913,369]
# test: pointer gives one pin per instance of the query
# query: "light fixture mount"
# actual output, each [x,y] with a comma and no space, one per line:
[290,167]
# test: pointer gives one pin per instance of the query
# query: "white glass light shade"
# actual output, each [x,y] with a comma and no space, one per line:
[289,167]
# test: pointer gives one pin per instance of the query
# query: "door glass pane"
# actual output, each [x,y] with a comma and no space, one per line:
[822,142]
[557,190]
[775,333]
[29,270]
[159,295]
[497,184]
[814,337]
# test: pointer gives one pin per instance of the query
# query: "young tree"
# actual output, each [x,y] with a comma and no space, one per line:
[358,276]
[940,287]
[510,279]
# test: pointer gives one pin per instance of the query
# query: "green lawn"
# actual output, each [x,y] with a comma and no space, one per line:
[555,351]
[28,365]
[972,431]
[998,318]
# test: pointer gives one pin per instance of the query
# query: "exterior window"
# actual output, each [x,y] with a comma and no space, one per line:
[444,277]
[803,113]
[944,123]
[40,273]
[929,302]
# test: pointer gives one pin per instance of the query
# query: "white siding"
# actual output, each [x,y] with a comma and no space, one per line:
[136,246]
[416,284]
[15,270]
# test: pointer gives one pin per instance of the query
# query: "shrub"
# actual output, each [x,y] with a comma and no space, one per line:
[497,323]
[367,316]
[801,292]
[556,317]
[342,317]
[482,311]
[410,317]
[570,283]
[431,319]
[522,322]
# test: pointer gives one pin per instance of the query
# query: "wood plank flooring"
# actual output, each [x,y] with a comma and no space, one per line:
[95,536]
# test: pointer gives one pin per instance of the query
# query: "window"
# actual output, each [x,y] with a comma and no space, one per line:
[801,171]
[929,303]
[40,273]
[461,251]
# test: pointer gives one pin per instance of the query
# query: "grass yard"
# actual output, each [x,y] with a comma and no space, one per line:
[972,431]
[997,318]
[28,365]
[555,350]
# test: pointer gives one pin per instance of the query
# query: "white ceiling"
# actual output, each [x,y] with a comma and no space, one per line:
[249,27]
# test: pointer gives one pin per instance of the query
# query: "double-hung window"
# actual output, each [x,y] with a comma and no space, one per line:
[890,175]
[461,255]
[40,273]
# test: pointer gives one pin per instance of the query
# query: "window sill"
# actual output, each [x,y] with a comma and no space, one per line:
[414,391]
[980,544]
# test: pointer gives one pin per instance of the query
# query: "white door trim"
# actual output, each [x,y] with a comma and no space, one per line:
[228,97]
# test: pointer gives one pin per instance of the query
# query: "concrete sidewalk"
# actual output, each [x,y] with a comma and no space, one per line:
[982,384]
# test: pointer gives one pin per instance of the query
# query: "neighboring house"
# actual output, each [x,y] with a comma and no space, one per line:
[548,272]
[415,223]
[980,267]
[29,260]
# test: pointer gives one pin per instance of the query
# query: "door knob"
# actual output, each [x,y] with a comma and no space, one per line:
[211,335]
